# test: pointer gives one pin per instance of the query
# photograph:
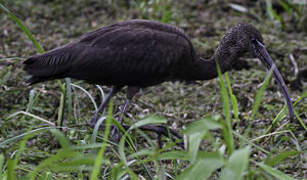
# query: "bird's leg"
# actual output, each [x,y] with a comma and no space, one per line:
[159,129]
[115,131]
[112,92]
[160,141]
[131,91]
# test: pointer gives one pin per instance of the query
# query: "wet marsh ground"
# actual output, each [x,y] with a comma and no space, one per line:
[55,23]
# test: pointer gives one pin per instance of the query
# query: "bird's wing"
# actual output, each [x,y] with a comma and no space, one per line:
[135,24]
[130,55]
[121,53]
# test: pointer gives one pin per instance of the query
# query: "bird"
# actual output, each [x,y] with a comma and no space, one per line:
[140,53]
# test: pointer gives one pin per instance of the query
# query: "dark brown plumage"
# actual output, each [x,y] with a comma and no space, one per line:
[141,53]
[133,53]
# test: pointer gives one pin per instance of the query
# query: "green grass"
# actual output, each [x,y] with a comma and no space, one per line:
[294,11]
[227,124]
[99,158]
[216,149]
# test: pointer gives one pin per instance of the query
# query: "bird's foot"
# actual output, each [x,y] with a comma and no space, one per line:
[93,121]
[161,130]
[116,134]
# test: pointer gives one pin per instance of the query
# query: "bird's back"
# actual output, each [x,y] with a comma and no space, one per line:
[136,52]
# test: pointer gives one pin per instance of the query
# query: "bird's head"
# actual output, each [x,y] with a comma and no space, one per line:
[246,38]
[240,39]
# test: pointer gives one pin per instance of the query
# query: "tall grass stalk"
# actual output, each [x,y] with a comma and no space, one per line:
[88,94]
[12,164]
[259,94]
[1,166]
[227,130]
[274,172]
[23,27]
[233,97]
[69,99]
[61,109]
[99,158]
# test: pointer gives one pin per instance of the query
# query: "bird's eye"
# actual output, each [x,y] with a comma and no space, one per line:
[253,40]
[257,40]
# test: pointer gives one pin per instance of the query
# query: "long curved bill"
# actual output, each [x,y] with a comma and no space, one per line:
[265,58]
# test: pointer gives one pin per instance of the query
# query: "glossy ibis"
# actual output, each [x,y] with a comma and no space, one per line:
[142,53]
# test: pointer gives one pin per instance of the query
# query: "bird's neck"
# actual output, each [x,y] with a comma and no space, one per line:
[228,51]
[207,68]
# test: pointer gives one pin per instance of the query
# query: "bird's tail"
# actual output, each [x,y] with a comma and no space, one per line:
[51,65]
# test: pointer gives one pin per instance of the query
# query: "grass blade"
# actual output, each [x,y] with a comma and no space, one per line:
[273,161]
[12,164]
[196,131]
[10,173]
[259,94]
[87,93]
[33,96]
[31,115]
[274,172]
[61,109]
[233,97]
[206,164]
[1,165]
[96,128]
[173,155]
[23,27]
[236,165]
[268,9]
[10,140]
[61,138]
[227,130]
[69,98]
[53,160]
[123,156]
[149,120]
[100,155]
